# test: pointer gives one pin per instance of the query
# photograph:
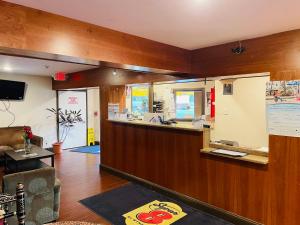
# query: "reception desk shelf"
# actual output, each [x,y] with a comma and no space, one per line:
[253,155]
[258,159]
[143,123]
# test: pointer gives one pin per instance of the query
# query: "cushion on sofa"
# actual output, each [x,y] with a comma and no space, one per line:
[5,148]
[18,146]
[11,136]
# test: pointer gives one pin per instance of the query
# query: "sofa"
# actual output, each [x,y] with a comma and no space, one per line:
[42,194]
[11,138]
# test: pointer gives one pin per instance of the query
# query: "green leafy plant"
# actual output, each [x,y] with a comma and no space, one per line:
[66,119]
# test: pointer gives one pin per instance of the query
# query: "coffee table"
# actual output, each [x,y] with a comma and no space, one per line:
[17,161]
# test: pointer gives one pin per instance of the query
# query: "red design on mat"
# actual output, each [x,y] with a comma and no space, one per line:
[154,217]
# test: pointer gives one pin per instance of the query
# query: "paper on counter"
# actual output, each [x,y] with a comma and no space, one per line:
[230,153]
[29,155]
[20,150]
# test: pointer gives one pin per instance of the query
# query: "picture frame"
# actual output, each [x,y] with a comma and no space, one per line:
[227,89]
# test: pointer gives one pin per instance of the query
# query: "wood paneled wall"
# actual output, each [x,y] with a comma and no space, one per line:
[278,54]
[117,95]
[30,29]
[104,77]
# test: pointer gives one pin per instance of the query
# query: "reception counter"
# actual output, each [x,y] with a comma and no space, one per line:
[252,156]
[178,126]
[160,154]
[171,158]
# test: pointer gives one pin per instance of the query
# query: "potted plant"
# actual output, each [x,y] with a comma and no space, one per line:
[66,119]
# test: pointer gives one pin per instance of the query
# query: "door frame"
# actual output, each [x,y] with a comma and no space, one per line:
[86,111]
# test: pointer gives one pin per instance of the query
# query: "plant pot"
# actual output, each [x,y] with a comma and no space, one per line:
[57,148]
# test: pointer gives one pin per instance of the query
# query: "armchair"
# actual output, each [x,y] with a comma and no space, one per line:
[42,194]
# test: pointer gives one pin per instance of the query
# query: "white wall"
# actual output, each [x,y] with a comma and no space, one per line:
[164,92]
[242,116]
[94,107]
[32,111]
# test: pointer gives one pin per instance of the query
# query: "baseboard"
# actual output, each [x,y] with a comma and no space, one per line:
[221,213]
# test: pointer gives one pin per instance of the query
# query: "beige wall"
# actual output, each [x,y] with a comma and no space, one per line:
[241,117]
[93,107]
[32,111]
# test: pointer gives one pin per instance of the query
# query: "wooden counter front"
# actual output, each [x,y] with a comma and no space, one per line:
[171,158]
[156,154]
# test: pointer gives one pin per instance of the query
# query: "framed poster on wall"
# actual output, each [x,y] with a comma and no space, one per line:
[283,108]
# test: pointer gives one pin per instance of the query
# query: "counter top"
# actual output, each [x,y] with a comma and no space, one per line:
[186,127]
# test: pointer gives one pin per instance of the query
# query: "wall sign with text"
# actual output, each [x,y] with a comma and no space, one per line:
[283,108]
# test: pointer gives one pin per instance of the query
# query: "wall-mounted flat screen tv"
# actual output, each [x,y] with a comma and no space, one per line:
[12,90]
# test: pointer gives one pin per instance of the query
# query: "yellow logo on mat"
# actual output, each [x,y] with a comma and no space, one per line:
[156,212]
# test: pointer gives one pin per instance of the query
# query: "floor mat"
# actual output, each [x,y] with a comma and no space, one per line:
[94,149]
[138,205]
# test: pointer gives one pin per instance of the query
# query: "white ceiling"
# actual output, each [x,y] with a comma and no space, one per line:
[39,67]
[188,24]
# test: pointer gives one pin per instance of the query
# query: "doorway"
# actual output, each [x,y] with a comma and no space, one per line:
[72,118]
[81,108]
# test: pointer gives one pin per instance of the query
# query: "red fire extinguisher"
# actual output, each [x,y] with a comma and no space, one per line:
[212,105]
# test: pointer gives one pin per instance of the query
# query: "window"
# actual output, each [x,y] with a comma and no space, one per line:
[189,104]
[140,99]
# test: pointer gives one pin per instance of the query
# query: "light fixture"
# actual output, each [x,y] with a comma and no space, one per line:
[7,68]
[114,72]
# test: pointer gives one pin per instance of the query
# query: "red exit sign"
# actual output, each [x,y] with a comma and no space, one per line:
[60,76]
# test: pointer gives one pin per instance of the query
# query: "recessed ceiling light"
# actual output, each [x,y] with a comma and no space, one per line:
[7,68]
